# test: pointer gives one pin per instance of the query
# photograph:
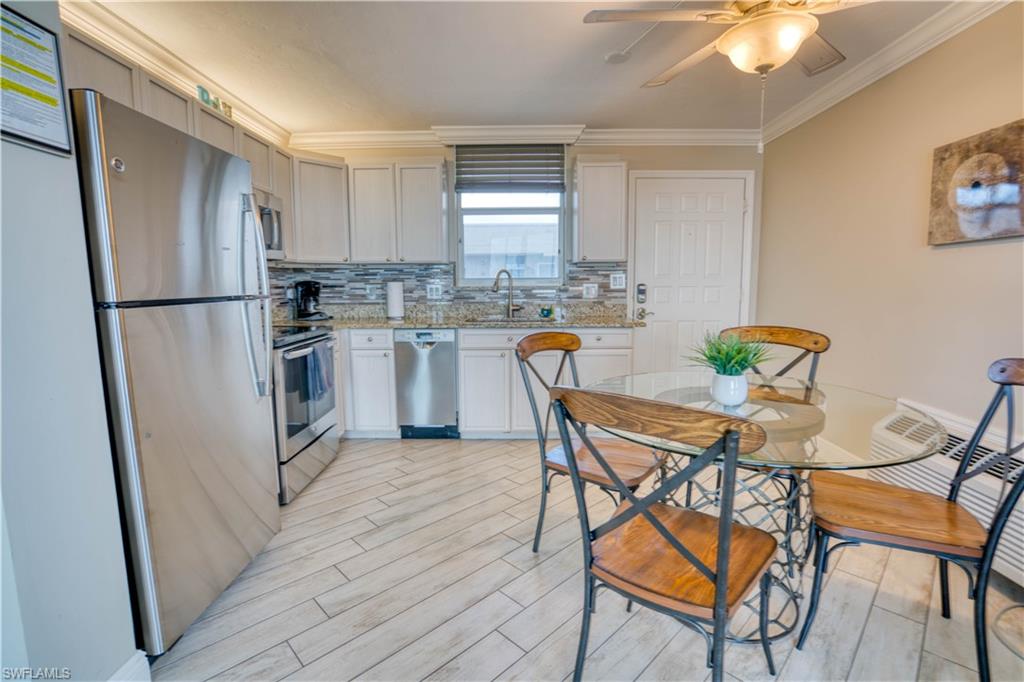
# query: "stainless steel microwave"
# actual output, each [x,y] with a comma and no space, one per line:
[270,208]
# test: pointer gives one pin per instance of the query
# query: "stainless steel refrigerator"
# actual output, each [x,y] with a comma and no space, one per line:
[180,286]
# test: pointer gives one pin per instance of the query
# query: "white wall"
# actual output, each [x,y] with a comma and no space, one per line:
[845,225]
[59,501]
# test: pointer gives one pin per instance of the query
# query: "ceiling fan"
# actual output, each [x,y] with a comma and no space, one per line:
[765,33]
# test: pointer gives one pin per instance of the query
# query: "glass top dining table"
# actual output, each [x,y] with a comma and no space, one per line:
[826,426]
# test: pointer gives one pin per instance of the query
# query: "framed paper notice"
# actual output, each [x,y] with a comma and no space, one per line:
[31,90]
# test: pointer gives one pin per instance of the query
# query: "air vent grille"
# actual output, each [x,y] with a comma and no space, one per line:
[956,446]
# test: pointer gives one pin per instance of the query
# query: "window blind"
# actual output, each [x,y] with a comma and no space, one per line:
[510,168]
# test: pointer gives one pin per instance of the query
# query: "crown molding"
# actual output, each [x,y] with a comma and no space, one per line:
[936,29]
[364,139]
[627,137]
[101,25]
[533,134]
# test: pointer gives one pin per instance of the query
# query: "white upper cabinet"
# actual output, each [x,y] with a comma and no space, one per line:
[321,218]
[259,155]
[599,201]
[372,212]
[166,103]
[87,65]
[283,188]
[422,219]
[212,128]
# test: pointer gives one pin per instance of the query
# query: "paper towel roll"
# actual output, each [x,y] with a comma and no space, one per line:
[396,301]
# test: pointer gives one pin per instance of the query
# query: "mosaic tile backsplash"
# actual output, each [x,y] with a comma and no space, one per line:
[366,284]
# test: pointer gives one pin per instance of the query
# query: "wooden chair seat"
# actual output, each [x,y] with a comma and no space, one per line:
[632,462]
[636,559]
[859,508]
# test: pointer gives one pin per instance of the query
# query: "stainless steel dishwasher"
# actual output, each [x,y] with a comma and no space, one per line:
[425,368]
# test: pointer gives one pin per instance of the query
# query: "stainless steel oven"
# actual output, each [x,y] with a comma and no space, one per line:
[270,208]
[305,407]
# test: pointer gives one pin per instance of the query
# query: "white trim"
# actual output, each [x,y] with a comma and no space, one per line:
[750,228]
[550,134]
[364,139]
[994,438]
[114,33]
[135,669]
[938,28]
[630,137]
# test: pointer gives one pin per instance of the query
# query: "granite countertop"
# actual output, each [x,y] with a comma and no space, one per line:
[461,316]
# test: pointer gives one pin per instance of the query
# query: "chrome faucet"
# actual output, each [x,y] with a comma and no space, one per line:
[512,308]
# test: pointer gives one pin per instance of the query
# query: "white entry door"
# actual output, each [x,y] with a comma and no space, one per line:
[689,256]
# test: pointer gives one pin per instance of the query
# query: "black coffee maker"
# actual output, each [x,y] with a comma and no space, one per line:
[307,301]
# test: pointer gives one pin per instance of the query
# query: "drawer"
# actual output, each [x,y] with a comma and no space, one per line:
[605,338]
[508,338]
[363,339]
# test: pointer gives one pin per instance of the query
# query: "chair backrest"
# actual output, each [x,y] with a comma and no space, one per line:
[1007,373]
[563,345]
[719,435]
[811,343]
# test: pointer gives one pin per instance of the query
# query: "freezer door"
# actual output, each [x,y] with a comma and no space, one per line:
[168,215]
[195,450]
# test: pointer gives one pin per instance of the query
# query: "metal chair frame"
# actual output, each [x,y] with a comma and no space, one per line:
[977,570]
[725,448]
[525,368]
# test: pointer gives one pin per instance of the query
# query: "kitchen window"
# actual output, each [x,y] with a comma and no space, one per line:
[511,205]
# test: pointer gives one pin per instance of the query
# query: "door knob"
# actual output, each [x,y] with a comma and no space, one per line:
[642,314]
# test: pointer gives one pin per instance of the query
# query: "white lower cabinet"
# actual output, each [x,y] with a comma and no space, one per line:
[493,401]
[484,390]
[340,372]
[372,381]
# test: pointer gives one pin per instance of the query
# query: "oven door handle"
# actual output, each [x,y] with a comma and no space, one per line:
[298,353]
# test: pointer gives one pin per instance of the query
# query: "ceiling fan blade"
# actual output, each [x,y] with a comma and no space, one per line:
[817,55]
[830,6]
[694,59]
[598,16]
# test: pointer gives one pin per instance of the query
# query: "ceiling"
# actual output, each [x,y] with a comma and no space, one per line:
[350,66]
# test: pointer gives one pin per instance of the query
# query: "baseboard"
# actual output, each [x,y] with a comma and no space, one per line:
[499,435]
[135,669]
[371,434]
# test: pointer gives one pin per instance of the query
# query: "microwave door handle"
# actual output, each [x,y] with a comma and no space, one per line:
[275,221]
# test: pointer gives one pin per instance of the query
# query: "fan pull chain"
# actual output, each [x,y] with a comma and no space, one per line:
[764,88]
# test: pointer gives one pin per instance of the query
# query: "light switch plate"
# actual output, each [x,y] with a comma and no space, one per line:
[590,290]
[617,280]
[433,292]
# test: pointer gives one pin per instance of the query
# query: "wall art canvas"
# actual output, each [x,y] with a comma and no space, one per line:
[976,187]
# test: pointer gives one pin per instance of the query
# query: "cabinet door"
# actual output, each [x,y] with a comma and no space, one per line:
[257,153]
[212,128]
[522,415]
[321,220]
[281,181]
[422,225]
[373,390]
[372,212]
[340,372]
[166,103]
[88,65]
[598,364]
[484,394]
[600,212]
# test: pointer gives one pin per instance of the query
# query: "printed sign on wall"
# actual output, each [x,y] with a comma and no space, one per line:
[33,101]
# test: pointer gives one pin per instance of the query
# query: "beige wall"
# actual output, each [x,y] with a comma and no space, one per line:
[845,220]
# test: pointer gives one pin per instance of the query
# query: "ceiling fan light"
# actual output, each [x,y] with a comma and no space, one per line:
[766,42]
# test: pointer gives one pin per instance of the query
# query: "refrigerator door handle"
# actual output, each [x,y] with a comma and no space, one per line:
[261,378]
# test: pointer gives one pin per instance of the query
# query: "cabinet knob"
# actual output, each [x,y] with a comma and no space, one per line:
[345,259]
[584,258]
[509,339]
[388,259]
[502,355]
[369,339]
[599,338]
[385,353]
[402,259]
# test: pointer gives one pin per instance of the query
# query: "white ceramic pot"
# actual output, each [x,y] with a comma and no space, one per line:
[729,391]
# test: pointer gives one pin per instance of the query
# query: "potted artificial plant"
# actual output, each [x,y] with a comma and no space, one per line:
[729,357]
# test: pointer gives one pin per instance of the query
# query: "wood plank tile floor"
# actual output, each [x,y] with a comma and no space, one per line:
[410,560]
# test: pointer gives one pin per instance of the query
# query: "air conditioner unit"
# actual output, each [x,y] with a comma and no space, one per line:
[979,495]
